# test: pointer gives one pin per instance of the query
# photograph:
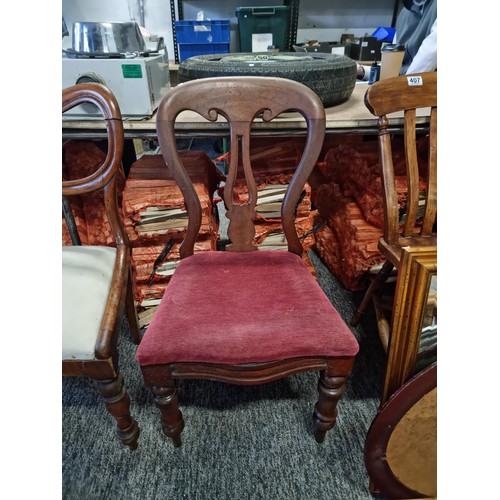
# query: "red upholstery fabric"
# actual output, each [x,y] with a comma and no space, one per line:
[237,308]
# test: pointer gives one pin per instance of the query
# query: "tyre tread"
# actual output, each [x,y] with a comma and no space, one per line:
[331,76]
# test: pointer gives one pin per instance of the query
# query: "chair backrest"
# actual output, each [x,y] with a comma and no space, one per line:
[240,100]
[105,176]
[406,93]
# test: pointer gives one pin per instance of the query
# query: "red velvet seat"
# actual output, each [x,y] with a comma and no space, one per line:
[244,316]
[237,308]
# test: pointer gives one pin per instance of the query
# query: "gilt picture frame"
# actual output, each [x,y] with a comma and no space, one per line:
[413,338]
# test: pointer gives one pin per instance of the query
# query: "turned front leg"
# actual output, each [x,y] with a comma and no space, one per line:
[325,411]
[167,400]
[117,400]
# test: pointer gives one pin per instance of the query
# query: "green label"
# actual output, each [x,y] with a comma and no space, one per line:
[132,71]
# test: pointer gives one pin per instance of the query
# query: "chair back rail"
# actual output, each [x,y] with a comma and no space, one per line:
[106,102]
[240,100]
[431,204]
[105,176]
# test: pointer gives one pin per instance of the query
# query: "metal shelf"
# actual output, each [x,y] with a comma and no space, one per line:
[177,14]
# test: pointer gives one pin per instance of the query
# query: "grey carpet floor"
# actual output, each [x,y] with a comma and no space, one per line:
[239,442]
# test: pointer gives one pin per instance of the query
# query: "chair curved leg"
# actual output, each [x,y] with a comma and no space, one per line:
[375,285]
[167,400]
[131,311]
[330,389]
[117,400]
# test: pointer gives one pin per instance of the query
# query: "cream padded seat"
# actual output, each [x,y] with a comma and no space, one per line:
[86,280]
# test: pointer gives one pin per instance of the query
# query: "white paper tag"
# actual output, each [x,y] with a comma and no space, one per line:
[261,41]
[338,50]
[414,80]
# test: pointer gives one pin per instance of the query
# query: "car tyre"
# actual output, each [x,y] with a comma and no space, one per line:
[331,76]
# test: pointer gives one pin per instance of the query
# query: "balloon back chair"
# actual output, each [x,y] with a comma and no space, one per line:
[417,227]
[243,315]
[96,280]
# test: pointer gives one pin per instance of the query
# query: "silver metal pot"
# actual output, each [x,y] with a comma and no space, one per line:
[106,38]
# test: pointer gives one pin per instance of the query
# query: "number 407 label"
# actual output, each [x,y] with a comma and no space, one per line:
[415,80]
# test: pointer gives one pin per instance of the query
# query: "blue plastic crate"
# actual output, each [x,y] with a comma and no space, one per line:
[187,50]
[202,31]
[384,34]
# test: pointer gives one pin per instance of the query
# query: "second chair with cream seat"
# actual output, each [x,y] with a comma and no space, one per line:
[96,280]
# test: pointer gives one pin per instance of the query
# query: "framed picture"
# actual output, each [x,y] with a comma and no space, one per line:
[413,337]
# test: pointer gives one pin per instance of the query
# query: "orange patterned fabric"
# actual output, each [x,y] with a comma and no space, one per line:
[150,185]
[356,169]
[144,257]
[81,225]
[302,224]
[144,292]
[347,242]
[81,159]
[241,194]
[272,164]
[350,202]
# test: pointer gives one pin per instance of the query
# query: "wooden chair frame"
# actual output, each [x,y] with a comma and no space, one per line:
[233,99]
[103,369]
[407,94]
